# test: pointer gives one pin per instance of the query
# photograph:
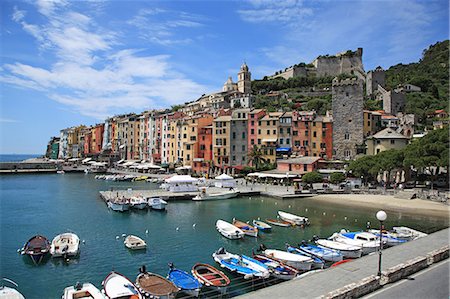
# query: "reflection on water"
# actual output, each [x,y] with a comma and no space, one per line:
[185,234]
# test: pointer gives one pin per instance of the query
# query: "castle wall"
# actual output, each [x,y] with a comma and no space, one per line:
[348,126]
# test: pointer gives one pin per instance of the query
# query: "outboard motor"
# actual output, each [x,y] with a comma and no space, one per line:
[142,269]
[315,238]
[262,247]
[171,266]
[78,286]
[221,250]
[303,243]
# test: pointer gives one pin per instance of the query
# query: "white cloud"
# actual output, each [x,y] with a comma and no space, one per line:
[89,74]
[285,11]
[8,120]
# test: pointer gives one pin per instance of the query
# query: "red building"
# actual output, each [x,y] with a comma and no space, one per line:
[253,117]
[300,165]
[202,162]
[97,138]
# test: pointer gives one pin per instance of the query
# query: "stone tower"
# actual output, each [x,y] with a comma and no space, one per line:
[373,79]
[244,80]
[348,118]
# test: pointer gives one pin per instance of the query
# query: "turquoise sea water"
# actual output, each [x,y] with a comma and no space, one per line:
[16,158]
[50,204]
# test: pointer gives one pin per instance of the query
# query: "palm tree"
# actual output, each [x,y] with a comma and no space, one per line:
[255,156]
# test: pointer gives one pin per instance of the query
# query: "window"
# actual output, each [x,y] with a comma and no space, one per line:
[268,123]
[252,116]
[306,133]
[259,123]
[202,147]
[188,147]
[392,141]
[243,135]
[314,123]
[271,151]
[281,140]
[188,157]
[259,131]
[346,136]
[281,130]
[234,158]
[314,145]
[324,134]
[288,130]
[259,141]
[243,148]
[234,135]
[274,122]
[239,116]
[252,131]
[347,153]
[305,167]
[378,141]
[268,132]
[234,147]
[288,141]
[295,133]
[274,132]
[252,122]
[314,134]
[252,141]
[297,142]
[305,142]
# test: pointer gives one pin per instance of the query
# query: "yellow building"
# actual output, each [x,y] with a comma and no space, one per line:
[372,122]
[268,135]
[385,140]
[221,141]
[175,136]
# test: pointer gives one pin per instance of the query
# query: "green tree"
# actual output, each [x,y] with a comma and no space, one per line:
[337,177]
[366,166]
[255,156]
[312,177]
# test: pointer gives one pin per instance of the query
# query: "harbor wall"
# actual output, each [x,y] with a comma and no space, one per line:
[27,167]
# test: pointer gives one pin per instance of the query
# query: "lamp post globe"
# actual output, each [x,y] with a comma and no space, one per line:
[381,215]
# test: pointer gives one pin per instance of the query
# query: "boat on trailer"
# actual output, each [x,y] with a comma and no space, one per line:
[36,248]
[246,228]
[211,277]
[65,245]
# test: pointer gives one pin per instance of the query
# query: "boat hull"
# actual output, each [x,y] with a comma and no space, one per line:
[297,220]
[326,254]
[228,230]
[215,196]
[211,277]
[290,259]
[346,253]
[118,207]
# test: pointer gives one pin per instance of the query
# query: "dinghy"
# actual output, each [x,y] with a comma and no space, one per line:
[214,196]
[261,225]
[297,220]
[37,247]
[297,261]
[9,293]
[277,269]
[228,230]
[246,228]
[117,286]
[119,205]
[241,264]
[83,291]
[367,241]
[157,203]
[134,243]
[65,245]
[348,251]
[318,263]
[211,277]
[155,286]
[183,280]
[279,222]
[407,233]
[388,238]
[326,254]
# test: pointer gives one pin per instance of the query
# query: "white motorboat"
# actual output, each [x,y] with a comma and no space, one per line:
[406,233]
[66,245]
[348,251]
[157,203]
[297,220]
[138,202]
[121,205]
[9,293]
[228,230]
[299,262]
[368,242]
[134,243]
[203,195]
[83,291]
[117,286]
[389,238]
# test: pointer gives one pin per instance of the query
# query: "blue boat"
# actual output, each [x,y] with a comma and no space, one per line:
[241,264]
[388,238]
[185,281]
[317,261]
[326,254]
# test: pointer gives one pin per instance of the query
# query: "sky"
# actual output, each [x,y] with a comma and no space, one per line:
[66,63]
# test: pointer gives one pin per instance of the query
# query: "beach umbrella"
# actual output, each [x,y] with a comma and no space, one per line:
[402,176]
[397,177]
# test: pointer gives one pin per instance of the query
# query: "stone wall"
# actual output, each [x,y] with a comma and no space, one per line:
[348,117]
[20,167]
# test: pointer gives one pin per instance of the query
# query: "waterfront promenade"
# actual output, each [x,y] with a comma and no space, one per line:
[330,283]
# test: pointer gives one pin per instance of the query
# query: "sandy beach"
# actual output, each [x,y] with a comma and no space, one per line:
[413,206]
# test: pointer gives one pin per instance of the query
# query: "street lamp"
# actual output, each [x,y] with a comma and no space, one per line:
[381,216]
[287,181]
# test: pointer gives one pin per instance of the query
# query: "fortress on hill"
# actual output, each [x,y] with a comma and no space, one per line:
[349,62]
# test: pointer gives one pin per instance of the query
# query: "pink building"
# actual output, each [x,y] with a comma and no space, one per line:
[300,165]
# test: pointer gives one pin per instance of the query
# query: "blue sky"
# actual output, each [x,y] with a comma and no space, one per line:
[65,63]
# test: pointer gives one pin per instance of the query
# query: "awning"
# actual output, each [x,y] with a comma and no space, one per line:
[223,176]
[270,140]
[284,149]
[181,179]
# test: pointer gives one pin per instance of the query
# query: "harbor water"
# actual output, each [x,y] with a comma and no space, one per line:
[50,204]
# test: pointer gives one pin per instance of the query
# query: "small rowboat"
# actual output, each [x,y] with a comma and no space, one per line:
[134,243]
[37,247]
[297,261]
[348,251]
[65,245]
[85,290]
[228,230]
[318,263]
[261,225]
[241,264]
[155,286]
[326,254]
[297,220]
[276,268]
[279,222]
[246,228]
[115,285]
[8,292]
[185,281]
[211,277]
